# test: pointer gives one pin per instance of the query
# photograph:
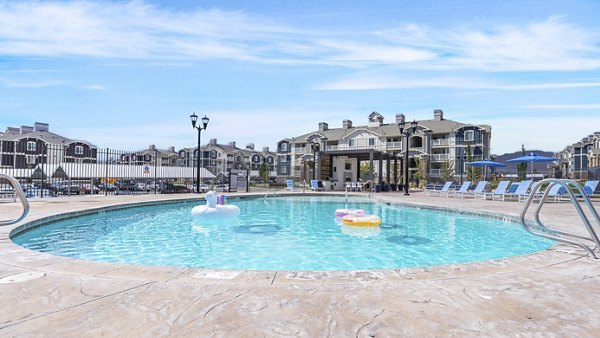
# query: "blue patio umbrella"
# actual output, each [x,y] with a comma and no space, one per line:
[532,158]
[486,164]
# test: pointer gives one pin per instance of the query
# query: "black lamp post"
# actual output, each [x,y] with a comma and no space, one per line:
[194,119]
[315,148]
[406,133]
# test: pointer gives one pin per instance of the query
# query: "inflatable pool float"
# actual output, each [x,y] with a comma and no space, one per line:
[362,232]
[213,209]
[351,212]
[361,221]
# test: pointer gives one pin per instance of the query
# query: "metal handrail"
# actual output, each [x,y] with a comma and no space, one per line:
[22,198]
[370,186]
[542,230]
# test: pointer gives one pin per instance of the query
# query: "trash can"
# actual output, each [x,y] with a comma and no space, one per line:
[377,187]
[393,186]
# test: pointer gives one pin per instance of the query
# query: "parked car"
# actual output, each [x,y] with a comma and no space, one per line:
[87,188]
[66,188]
[168,188]
[107,186]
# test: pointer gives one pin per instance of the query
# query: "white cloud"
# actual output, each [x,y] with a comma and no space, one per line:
[549,133]
[592,106]
[140,30]
[368,82]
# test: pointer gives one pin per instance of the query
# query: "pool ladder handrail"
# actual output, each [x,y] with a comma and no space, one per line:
[542,230]
[19,192]
[270,191]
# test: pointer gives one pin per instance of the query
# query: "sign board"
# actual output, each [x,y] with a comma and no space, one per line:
[146,168]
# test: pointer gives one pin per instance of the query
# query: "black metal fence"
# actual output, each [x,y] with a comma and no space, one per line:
[54,170]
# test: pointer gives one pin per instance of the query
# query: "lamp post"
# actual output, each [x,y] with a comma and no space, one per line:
[194,119]
[315,148]
[406,132]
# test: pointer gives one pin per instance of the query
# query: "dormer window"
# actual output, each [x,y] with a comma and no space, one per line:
[31,145]
[78,150]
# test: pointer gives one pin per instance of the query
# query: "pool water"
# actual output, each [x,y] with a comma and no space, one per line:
[282,233]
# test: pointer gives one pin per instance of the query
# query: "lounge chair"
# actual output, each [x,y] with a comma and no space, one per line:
[520,194]
[556,192]
[462,190]
[500,190]
[289,185]
[479,190]
[444,190]
[314,185]
[349,186]
[590,187]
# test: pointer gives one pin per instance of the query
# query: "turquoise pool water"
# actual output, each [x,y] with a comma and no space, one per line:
[282,233]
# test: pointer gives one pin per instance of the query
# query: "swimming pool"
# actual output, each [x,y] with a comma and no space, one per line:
[281,233]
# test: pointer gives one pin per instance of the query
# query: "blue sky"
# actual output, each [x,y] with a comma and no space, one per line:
[126,74]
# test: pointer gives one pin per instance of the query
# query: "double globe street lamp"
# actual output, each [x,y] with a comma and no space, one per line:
[406,133]
[315,149]
[194,119]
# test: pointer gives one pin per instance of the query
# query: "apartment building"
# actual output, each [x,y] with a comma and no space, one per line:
[336,154]
[26,147]
[219,158]
[577,159]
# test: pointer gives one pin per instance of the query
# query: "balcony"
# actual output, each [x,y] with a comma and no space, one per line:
[439,142]
[439,157]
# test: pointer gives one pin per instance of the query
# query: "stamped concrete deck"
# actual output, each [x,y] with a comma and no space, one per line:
[555,292]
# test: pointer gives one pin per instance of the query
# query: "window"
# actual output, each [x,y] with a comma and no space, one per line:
[213,163]
[284,170]
[371,141]
[31,159]
[469,135]
[270,160]
[284,147]
[348,166]
[351,143]
[31,145]
[282,159]
[78,150]
[213,154]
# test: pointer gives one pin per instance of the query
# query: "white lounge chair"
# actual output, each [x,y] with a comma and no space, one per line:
[500,190]
[520,194]
[590,187]
[289,185]
[479,190]
[462,190]
[444,189]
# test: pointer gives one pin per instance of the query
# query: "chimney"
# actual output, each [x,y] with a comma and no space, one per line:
[172,149]
[152,147]
[38,126]
[323,126]
[265,149]
[438,115]
[26,129]
[250,146]
[232,143]
[13,130]
[400,118]
[213,141]
[347,124]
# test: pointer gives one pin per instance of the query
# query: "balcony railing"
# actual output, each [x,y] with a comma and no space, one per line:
[439,142]
[439,157]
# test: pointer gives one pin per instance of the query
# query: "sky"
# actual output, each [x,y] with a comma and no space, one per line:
[127,74]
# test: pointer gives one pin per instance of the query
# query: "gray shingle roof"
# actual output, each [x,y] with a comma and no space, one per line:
[388,130]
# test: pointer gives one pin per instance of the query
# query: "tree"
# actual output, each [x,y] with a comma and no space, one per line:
[522,167]
[263,172]
[447,170]
[421,173]
[365,172]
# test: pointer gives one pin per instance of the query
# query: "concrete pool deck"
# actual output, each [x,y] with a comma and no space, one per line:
[555,292]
